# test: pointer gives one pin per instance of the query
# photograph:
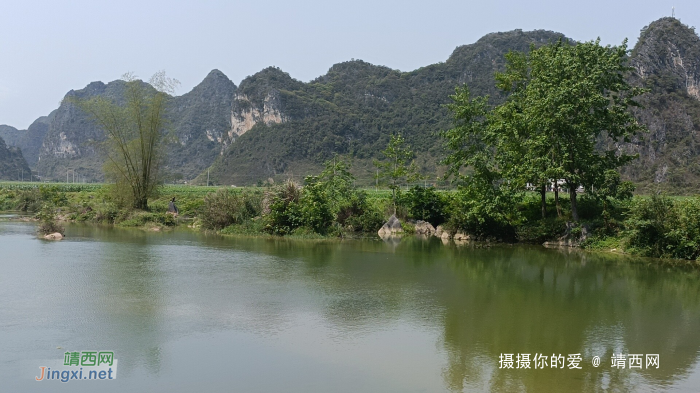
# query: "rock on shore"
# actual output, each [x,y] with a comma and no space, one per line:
[391,227]
[53,236]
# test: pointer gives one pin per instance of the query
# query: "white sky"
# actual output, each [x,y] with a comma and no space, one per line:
[50,47]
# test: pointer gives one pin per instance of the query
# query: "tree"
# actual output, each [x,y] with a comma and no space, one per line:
[612,188]
[399,165]
[576,95]
[562,100]
[134,128]
[482,161]
[337,180]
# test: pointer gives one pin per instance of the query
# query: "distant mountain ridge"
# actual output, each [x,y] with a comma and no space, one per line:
[273,126]
[13,166]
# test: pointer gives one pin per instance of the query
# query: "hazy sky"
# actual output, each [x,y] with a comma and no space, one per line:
[50,47]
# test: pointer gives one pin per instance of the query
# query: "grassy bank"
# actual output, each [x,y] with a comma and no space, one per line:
[653,226]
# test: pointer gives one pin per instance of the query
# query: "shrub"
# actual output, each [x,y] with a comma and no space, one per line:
[357,214]
[47,221]
[425,203]
[540,230]
[107,213]
[316,207]
[284,211]
[227,207]
[369,221]
[481,217]
[53,195]
[28,200]
[141,218]
[660,227]
[292,207]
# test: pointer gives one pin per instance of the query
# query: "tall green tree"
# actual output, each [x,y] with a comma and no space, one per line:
[576,95]
[134,128]
[481,159]
[397,166]
[562,100]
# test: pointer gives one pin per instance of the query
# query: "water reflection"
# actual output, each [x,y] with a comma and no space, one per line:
[363,301]
[515,299]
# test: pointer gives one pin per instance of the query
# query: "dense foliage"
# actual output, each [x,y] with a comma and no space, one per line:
[662,227]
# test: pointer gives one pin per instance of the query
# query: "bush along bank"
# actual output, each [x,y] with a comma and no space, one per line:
[51,204]
[327,205]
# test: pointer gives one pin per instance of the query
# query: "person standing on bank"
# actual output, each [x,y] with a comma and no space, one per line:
[172,208]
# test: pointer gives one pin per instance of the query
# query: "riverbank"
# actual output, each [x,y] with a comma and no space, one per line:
[656,226]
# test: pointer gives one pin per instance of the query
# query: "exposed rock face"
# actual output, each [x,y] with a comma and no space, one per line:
[667,61]
[424,228]
[13,166]
[272,125]
[204,122]
[391,227]
[667,47]
[70,144]
[201,120]
[198,120]
[354,108]
[245,115]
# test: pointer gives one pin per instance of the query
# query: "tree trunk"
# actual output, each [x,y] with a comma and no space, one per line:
[543,194]
[574,208]
[141,203]
[556,199]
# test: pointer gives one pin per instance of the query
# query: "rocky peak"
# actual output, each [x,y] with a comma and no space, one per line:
[214,83]
[268,81]
[667,55]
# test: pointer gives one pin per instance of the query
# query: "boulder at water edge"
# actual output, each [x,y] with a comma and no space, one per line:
[53,236]
[461,236]
[391,227]
[442,233]
[424,228]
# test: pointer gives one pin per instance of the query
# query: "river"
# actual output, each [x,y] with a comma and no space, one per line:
[188,312]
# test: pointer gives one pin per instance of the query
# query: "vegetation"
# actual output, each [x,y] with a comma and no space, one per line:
[656,226]
[47,221]
[398,165]
[562,113]
[13,166]
[134,137]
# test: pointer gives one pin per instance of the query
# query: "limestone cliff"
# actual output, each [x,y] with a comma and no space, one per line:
[72,139]
[667,62]
[200,121]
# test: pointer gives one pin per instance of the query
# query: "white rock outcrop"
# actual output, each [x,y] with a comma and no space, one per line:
[391,227]
[53,236]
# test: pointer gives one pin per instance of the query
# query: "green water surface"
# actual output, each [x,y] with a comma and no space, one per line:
[187,312]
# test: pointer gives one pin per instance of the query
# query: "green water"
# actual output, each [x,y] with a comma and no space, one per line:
[185,312]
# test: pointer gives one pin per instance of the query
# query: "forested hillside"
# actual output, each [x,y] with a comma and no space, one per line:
[273,126]
[356,106]
[12,165]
